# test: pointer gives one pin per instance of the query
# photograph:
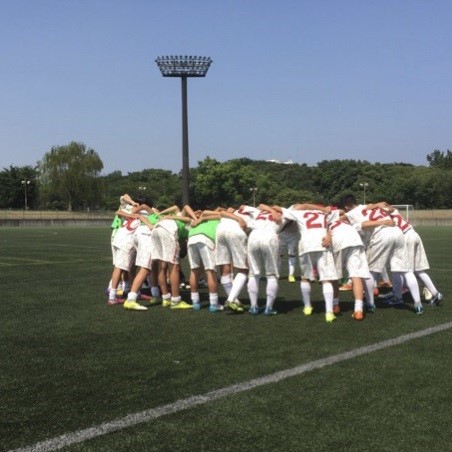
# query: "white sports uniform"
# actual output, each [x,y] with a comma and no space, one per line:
[414,249]
[383,243]
[312,225]
[123,244]
[263,244]
[231,241]
[143,246]
[348,248]
[289,238]
[164,242]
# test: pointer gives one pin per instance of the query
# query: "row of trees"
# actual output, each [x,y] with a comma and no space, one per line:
[69,178]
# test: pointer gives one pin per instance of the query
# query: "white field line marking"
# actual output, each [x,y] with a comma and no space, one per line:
[145,416]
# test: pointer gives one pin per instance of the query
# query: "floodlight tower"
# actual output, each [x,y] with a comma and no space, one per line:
[184,67]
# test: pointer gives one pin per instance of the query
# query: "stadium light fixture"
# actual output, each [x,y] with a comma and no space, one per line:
[364,185]
[254,190]
[184,67]
[25,183]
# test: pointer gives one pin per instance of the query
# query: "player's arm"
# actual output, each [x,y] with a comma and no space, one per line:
[126,198]
[308,206]
[240,221]
[188,211]
[145,221]
[375,223]
[170,210]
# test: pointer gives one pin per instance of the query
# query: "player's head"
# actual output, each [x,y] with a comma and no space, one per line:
[142,199]
[348,202]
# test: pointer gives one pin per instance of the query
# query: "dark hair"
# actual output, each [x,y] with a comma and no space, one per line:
[347,201]
[142,199]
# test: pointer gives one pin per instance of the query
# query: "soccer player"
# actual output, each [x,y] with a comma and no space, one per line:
[384,243]
[201,254]
[288,240]
[143,260]
[349,254]
[231,252]
[314,253]
[263,256]
[165,249]
[414,253]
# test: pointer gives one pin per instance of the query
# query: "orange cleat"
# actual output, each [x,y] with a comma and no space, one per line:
[358,315]
[336,309]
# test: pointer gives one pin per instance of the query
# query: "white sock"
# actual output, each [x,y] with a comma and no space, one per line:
[426,280]
[306,293]
[175,299]
[195,297]
[213,299]
[226,282]
[112,294]
[335,301]
[413,286]
[358,305]
[237,286]
[292,263]
[253,290]
[272,290]
[328,294]
[155,291]
[132,296]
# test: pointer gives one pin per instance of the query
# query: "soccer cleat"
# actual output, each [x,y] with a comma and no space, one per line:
[155,300]
[115,301]
[418,309]
[330,317]
[196,306]
[386,296]
[336,309]
[134,306]
[436,299]
[181,305]
[394,301]
[346,287]
[358,315]
[370,307]
[308,310]
[291,278]
[426,294]
[166,303]
[144,297]
[254,310]
[234,306]
[270,311]
[216,308]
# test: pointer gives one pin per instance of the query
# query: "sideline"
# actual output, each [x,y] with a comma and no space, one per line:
[131,420]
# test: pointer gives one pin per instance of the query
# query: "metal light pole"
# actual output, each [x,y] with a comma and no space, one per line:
[364,185]
[184,67]
[254,190]
[25,183]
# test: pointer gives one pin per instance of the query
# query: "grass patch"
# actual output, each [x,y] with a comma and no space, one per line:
[70,362]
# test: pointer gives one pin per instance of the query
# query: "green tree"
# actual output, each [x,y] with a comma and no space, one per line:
[71,173]
[439,159]
[17,187]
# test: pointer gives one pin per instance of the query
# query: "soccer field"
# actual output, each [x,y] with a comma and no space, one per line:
[70,364]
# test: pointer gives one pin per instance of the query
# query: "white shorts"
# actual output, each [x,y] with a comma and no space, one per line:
[231,249]
[387,247]
[201,253]
[164,246]
[414,252]
[321,260]
[124,260]
[143,247]
[263,255]
[353,260]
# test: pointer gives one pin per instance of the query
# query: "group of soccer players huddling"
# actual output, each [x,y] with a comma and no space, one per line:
[235,247]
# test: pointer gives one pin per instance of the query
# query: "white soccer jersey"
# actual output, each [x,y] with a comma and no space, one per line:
[123,239]
[312,225]
[360,214]
[343,235]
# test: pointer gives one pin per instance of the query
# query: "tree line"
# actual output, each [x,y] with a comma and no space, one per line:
[69,178]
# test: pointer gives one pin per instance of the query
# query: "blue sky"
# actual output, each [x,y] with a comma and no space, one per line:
[306,80]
